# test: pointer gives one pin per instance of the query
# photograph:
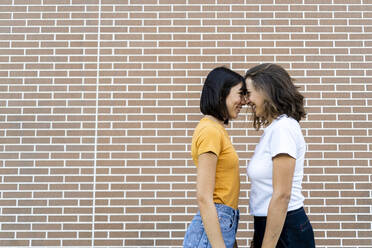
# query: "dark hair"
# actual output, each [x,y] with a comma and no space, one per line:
[216,88]
[282,96]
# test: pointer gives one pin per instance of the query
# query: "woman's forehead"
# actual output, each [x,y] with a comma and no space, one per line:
[249,83]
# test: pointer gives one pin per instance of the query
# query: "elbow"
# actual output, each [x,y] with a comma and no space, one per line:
[203,200]
[282,197]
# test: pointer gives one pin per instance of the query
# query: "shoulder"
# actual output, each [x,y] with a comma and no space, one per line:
[285,127]
[285,137]
[286,123]
[206,128]
[207,138]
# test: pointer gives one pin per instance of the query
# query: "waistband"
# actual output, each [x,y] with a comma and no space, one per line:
[289,213]
[226,209]
[221,208]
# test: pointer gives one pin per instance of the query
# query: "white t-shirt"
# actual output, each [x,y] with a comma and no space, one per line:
[283,135]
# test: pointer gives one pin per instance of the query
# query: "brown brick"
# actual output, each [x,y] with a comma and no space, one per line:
[66,242]
[153,61]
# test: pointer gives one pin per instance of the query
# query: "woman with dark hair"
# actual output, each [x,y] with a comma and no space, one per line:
[276,168]
[218,180]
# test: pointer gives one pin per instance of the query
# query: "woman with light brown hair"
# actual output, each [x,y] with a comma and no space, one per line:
[276,168]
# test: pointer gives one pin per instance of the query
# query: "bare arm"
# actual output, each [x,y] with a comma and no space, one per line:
[205,187]
[283,170]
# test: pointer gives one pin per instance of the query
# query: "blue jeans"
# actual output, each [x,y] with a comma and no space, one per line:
[297,231]
[196,236]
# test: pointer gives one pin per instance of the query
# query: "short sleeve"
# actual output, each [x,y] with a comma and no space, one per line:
[209,140]
[283,140]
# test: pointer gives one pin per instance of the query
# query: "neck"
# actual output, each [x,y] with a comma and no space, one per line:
[210,117]
[271,119]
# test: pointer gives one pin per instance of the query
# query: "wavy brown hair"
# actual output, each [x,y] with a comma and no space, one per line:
[281,95]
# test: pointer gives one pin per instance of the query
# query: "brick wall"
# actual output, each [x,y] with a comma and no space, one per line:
[99,99]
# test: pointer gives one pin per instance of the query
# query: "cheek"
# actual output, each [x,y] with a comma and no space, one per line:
[256,100]
[252,98]
[239,98]
[234,100]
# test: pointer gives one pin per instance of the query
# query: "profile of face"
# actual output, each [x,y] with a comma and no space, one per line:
[255,98]
[235,100]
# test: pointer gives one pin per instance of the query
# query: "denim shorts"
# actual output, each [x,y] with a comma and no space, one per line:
[297,231]
[196,236]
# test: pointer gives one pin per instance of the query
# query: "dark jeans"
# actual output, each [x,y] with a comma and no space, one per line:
[297,231]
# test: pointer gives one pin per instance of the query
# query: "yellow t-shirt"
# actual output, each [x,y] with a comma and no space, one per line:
[210,136]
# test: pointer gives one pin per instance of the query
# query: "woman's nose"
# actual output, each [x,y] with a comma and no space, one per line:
[243,100]
[246,99]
